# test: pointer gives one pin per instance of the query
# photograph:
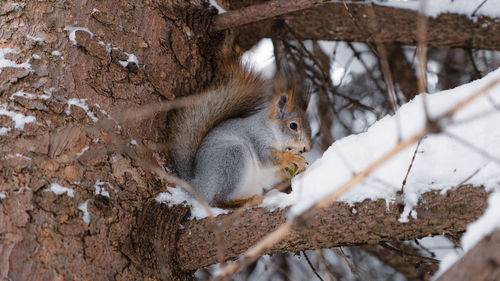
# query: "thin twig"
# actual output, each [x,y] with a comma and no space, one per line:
[346,67]
[422,56]
[477,73]
[279,269]
[477,8]
[469,99]
[382,55]
[404,253]
[354,269]
[474,117]
[341,253]
[493,102]
[312,266]
[144,111]
[361,31]
[326,77]
[409,167]
[256,250]
[324,266]
[470,176]
[369,72]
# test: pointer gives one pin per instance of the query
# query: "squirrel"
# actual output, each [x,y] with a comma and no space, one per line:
[242,137]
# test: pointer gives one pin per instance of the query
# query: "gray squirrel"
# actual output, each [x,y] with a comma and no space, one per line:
[242,137]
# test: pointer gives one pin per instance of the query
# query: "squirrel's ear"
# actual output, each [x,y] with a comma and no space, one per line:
[281,106]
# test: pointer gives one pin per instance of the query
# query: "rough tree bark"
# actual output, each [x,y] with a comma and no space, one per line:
[72,69]
[67,85]
[480,264]
[332,21]
[338,225]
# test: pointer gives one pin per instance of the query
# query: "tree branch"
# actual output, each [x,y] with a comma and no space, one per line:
[331,21]
[405,259]
[480,263]
[259,12]
[336,225]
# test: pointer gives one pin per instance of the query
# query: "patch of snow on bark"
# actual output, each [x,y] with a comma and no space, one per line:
[8,63]
[82,103]
[19,119]
[86,215]
[59,189]
[72,32]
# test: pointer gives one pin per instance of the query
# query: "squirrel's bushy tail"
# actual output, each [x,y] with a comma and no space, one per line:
[242,93]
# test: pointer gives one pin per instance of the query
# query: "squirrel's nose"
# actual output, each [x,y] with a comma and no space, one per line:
[306,148]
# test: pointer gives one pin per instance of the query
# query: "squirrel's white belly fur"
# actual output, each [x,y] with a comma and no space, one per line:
[256,179]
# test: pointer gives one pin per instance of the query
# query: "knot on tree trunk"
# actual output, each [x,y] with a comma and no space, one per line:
[153,243]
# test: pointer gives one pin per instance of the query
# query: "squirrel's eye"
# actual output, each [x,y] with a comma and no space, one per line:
[293,126]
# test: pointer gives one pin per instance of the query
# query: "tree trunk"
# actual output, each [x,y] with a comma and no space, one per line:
[74,80]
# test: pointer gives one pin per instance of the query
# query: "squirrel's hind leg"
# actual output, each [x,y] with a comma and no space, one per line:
[238,203]
[219,171]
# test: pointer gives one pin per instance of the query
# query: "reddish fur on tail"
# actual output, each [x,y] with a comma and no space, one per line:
[240,94]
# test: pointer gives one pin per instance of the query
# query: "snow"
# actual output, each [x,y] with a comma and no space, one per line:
[17,155]
[214,3]
[441,161]
[48,92]
[4,131]
[30,96]
[99,188]
[59,189]
[131,58]
[177,195]
[108,116]
[56,53]
[82,103]
[34,38]
[435,8]
[37,39]
[72,32]
[86,215]
[343,65]
[484,226]
[8,63]
[16,5]
[19,119]
[3,196]
[260,58]
[109,46]
[82,151]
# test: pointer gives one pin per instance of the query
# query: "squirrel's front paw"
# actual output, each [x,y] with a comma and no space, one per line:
[297,165]
[291,163]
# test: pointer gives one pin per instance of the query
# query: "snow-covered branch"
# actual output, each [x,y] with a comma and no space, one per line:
[340,224]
